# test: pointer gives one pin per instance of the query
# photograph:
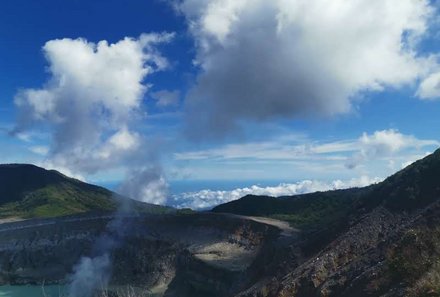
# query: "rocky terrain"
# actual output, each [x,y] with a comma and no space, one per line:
[388,243]
[171,255]
[382,240]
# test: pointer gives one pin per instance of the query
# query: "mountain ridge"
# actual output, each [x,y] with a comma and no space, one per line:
[28,191]
[414,186]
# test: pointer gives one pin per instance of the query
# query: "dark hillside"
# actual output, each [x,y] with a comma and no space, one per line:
[308,211]
[28,191]
[17,179]
[412,188]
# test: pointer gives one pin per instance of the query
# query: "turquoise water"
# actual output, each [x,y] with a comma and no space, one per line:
[31,291]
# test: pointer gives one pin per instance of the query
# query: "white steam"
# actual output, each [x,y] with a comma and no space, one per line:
[89,275]
[146,185]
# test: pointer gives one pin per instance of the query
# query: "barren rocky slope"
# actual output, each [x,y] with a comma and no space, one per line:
[388,243]
[170,255]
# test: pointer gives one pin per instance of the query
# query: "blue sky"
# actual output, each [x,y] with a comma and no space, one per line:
[161,99]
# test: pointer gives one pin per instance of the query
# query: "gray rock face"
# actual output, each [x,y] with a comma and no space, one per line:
[382,253]
[220,255]
[171,255]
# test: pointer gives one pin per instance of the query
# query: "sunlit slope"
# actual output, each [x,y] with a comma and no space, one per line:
[28,191]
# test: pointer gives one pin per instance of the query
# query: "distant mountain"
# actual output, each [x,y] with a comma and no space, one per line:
[28,191]
[302,211]
[411,188]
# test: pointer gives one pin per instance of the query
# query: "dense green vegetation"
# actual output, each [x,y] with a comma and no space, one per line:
[28,191]
[63,198]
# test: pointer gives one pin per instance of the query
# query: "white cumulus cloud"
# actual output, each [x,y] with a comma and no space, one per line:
[263,59]
[91,99]
[430,87]
[385,143]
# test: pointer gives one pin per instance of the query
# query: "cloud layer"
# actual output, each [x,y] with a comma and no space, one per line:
[379,144]
[206,199]
[268,59]
[291,157]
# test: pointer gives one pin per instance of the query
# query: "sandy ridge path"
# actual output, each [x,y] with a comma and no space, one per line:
[286,229]
[8,224]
